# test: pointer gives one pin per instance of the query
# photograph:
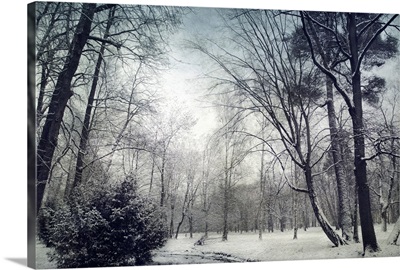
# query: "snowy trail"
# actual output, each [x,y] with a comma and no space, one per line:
[194,256]
[184,251]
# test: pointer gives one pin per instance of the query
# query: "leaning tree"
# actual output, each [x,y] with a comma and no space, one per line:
[353,38]
[280,85]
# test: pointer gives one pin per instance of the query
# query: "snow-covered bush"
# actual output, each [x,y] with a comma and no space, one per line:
[106,228]
[45,223]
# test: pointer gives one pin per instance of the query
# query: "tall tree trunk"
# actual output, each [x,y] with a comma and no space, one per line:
[62,93]
[385,202]
[225,215]
[260,216]
[319,215]
[282,222]
[153,163]
[184,210]
[270,221]
[342,186]
[382,201]
[384,218]
[295,205]
[45,55]
[69,180]
[331,210]
[171,224]
[205,201]
[179,225]
[260,222]
[394,235]
[226,198]
[40,101]
[206,227]
[86,122]
[190,218]
[190,215]
[367,227]
[162,179]
[305,214]
[356,238]
[206,212]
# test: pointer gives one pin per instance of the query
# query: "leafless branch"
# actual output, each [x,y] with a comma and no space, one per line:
[107,41]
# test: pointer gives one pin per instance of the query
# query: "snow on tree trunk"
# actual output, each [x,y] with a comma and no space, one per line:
[190,225]
[356,113]
[345,222]
[356,239]
[394,235]
[225,217]
[86,123]
[261,210]
[184,211]
[295,204]
[62,93]
[319,215]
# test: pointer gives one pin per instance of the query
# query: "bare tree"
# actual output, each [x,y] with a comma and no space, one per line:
[190,166]
[386,141]
[394,235]
[352,41]
[169,127]
[261,208]
[295,203]
[128,34]
[281,87]
[120,37]
[207,185]
[53,23]
[86,122]
[62,93]
[233,151]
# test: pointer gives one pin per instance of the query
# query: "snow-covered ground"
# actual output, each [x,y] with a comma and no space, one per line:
[42,261]
[277,246]
[246,247]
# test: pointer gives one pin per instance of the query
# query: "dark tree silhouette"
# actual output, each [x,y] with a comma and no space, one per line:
[353,41]
[62,93]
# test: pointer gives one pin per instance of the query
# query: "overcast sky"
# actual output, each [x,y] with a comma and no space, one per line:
[183,84]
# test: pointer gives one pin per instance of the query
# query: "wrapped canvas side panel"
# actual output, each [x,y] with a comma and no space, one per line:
[31,138]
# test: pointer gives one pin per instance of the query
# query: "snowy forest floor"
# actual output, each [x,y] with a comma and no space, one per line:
[246,247]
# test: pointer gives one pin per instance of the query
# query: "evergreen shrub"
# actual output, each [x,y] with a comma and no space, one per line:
[103,227]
